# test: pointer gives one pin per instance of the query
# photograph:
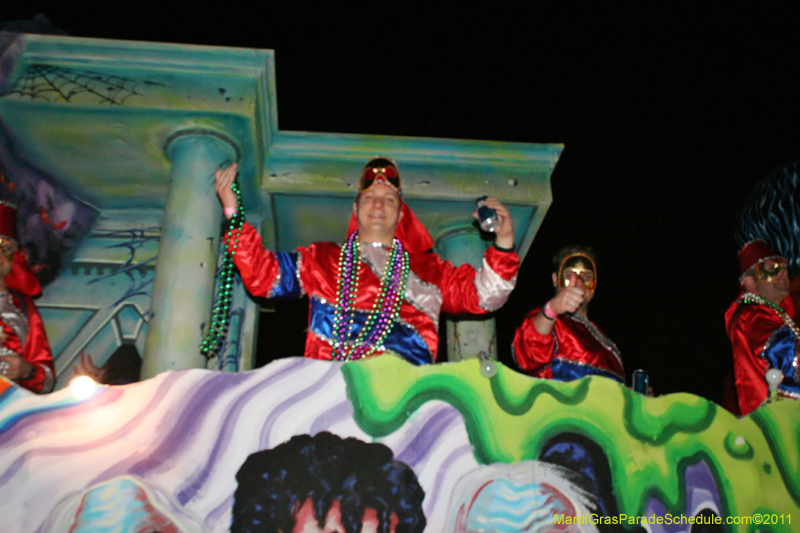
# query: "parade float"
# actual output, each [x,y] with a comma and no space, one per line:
[109,148]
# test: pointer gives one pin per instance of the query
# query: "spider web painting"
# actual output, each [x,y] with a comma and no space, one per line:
[59,84]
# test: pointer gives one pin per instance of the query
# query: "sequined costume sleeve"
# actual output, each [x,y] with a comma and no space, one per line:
[36,349]
[309,270]
[760,341]
[466,290]
[265,274]
[533,351]
[575,348]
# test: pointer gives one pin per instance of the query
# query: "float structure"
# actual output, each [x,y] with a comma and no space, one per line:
[133,132]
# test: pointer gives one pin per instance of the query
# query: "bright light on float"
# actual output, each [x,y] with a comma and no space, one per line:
[488,366]
[82,387]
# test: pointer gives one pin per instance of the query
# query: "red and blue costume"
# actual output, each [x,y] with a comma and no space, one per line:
[434,286]
[762,340]
[574,349]
[34,348]
[20,321]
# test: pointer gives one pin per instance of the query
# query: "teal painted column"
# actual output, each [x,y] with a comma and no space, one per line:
[467,338]
[187,253]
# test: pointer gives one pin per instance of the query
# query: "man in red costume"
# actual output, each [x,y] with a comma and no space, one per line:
[383,290]
[558,341]
[25,352]
[761,327]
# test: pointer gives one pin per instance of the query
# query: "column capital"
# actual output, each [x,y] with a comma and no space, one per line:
[186,133]
[461,243]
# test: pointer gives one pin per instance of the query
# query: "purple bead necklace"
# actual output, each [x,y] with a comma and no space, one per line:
[385,310]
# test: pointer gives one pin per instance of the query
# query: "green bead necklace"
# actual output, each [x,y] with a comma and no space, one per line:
[221,313]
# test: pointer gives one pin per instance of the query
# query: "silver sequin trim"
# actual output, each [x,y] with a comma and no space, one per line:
[599,337]
[14,317]
[422,296]
[493,290]
[7,352]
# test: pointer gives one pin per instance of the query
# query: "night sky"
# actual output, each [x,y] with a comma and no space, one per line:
[669,117]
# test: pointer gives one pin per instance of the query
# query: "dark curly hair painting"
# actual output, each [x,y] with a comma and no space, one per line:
[327,483]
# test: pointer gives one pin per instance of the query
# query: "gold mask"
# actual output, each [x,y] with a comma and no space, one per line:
[7,248]
[584,268]
[769,270]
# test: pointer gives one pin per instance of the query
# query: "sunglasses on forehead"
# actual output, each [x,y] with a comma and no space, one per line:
[387,175]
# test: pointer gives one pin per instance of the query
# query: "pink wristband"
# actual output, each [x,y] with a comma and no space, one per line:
[229,211]
[548,313]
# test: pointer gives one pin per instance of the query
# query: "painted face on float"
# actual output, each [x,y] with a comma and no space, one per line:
[584,268]
[770,270]
[306,522]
